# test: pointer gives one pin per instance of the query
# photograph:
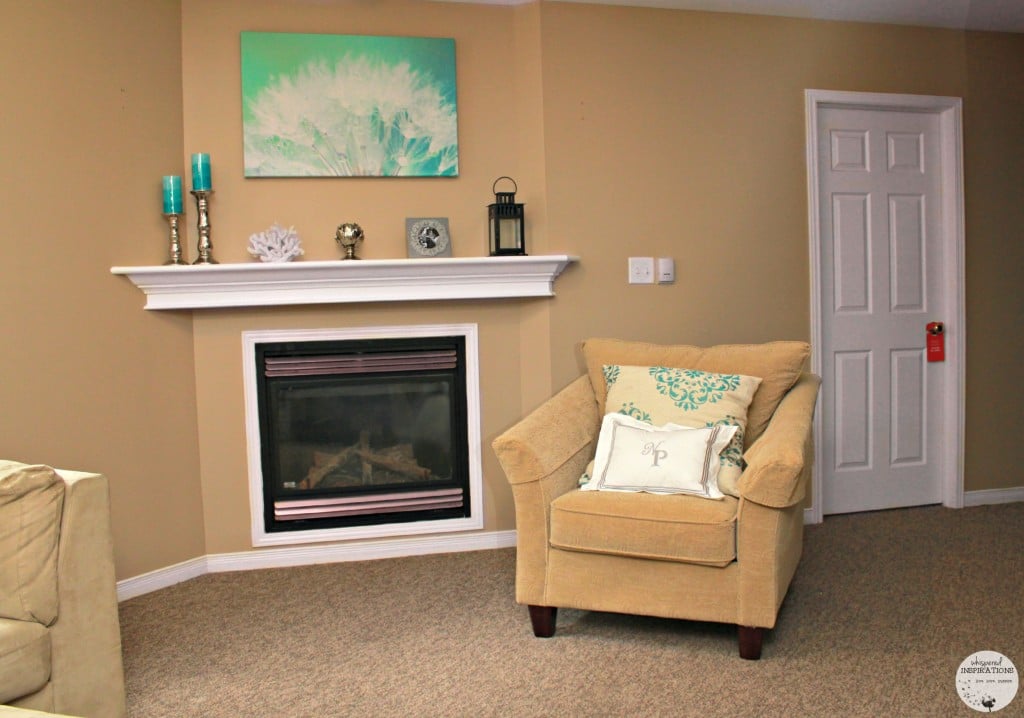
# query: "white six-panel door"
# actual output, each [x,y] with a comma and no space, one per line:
[881,277]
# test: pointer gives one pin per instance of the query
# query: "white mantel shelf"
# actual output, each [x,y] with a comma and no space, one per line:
[337,282]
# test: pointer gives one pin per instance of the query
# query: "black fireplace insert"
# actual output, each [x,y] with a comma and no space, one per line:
[363,431]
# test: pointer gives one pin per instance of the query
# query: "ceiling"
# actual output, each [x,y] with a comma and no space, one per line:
[994,15]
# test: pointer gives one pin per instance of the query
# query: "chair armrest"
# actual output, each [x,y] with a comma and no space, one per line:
[558,435]
[87,675]
[779,462]
[543,457]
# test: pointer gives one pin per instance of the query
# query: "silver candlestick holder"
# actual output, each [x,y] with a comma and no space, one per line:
[205,245]
[172,220]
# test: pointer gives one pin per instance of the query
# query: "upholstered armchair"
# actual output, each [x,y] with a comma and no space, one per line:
[682,555]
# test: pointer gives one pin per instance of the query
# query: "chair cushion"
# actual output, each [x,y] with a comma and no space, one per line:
[777,363]
[24,658]
[31,501]
[688,529]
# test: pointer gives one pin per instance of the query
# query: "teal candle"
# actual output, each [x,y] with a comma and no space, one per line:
[172,194]
[200,171]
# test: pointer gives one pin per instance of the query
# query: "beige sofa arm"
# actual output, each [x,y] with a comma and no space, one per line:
[543,457]
[779,462]
[87,675]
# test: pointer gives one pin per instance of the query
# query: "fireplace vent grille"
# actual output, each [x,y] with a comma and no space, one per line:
[370,363]
[374,504]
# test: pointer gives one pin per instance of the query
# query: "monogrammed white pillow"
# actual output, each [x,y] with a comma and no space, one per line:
[633,455]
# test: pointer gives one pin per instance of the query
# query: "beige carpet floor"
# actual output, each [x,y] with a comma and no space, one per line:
[883,609]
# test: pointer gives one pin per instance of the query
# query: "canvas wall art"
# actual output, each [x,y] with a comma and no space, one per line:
[348,106]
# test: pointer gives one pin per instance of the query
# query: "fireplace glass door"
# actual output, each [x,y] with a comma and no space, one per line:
[362,432]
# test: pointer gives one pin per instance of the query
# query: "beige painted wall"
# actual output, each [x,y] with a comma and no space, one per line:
[994,149]
[91,120]
[630,131]
[682,134]
[489,134]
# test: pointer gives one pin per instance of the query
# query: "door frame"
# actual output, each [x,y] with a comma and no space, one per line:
[949,112]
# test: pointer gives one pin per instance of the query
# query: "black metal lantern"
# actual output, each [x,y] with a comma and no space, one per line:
[507,222]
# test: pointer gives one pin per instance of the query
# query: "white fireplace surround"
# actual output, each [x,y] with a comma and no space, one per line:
[261,537]
[254,284]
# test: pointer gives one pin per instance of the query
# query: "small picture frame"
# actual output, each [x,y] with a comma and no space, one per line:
[427,237]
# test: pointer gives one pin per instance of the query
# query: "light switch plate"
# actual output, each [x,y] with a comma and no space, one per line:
[641,270]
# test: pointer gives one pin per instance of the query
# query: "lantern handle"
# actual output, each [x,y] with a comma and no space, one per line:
[514,185]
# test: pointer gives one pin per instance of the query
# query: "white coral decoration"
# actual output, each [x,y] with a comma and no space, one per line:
[276,244]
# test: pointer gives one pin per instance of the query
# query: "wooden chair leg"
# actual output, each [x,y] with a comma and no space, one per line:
[751,638]
[543,620]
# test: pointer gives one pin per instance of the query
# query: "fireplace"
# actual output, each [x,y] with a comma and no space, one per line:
[362,433]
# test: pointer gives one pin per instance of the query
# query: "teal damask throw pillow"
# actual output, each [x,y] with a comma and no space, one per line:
[661,395]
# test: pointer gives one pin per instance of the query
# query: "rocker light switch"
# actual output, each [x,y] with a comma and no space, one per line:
[641,270]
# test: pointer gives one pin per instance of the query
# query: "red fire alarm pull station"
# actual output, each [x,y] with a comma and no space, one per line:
[935,341]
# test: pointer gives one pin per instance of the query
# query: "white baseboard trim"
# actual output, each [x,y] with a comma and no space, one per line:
[307,555]
[993,496]
[161,578]
[981,497]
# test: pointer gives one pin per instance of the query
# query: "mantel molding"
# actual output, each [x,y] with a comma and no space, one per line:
[338,282]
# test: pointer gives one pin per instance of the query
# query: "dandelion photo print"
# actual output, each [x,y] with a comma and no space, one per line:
[348,106]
